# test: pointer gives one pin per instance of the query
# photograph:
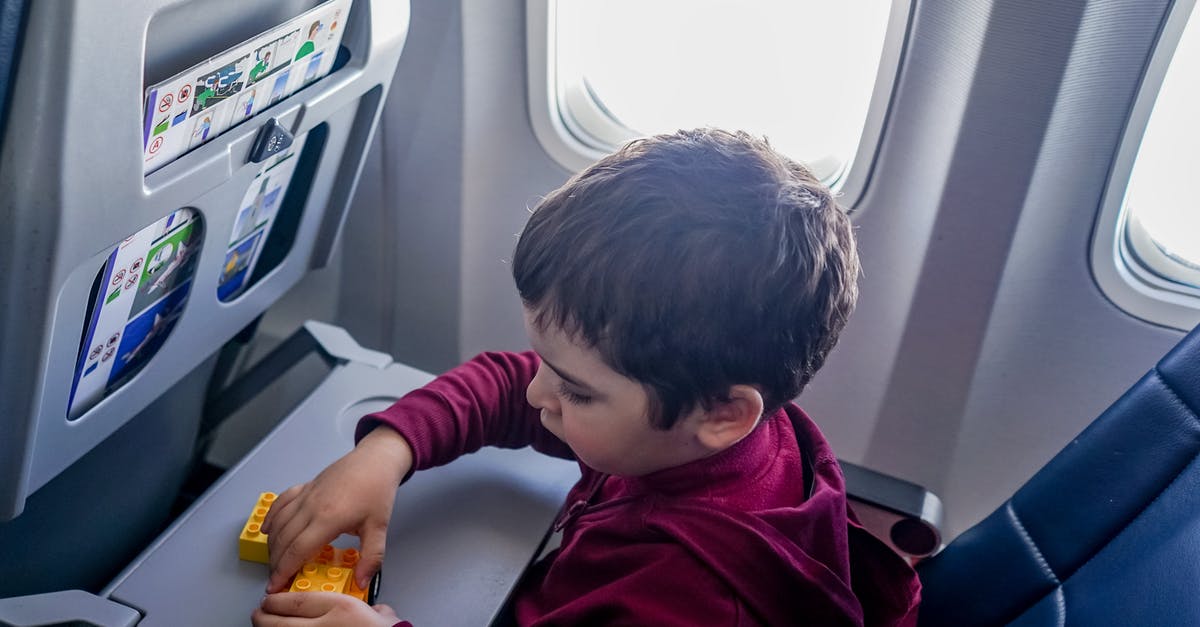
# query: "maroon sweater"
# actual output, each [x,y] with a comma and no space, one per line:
[758,534]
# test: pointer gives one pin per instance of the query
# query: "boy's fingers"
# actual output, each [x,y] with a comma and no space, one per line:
[287,549]
[385,610]
[262,619]
[281,502]
[283,567]
[277,583]
[301,604]
[297,550]
[289,563]
[374,540]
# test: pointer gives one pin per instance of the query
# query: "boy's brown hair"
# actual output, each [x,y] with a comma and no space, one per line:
[693,262]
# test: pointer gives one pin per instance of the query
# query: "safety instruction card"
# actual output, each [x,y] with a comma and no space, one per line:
[254,219]
[140,295]
[204,101]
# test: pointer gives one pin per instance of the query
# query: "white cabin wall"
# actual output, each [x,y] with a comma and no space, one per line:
[894,221]
[454,169]
[1003,348]
[506,172]
[399,291]
[1057,352]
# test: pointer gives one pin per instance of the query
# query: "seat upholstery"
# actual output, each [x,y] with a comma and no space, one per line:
[1107,533]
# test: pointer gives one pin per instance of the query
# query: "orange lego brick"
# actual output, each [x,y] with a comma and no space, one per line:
[325,574]
[348,559]
[333,571]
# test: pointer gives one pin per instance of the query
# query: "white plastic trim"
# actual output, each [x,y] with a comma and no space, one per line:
[1156,261]
[548,125]
[1128,266]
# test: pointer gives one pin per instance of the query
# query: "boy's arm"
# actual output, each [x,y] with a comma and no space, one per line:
[480,403]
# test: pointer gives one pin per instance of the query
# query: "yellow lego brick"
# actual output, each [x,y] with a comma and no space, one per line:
[252,543]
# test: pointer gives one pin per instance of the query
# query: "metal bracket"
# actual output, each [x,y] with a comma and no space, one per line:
[332,343]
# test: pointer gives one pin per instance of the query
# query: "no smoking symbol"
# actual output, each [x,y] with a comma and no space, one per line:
[165,103]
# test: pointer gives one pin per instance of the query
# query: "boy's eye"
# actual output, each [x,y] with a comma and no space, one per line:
[573,398]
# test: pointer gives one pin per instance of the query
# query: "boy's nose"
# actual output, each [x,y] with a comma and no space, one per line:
[539,393]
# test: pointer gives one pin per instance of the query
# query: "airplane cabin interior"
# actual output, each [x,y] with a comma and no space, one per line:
[323,217]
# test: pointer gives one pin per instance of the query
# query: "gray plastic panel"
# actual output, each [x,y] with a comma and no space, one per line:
[72,187]
[69,607]
[459,539]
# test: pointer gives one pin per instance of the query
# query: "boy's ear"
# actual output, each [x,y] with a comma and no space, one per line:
[731,419]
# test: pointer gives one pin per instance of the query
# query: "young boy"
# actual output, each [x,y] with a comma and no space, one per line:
[678,294]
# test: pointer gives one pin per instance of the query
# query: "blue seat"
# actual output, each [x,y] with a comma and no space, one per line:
[1107,533]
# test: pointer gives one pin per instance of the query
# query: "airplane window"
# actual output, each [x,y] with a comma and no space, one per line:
[800,72]
[1162,216]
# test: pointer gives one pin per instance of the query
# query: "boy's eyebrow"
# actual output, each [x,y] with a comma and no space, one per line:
[566,377]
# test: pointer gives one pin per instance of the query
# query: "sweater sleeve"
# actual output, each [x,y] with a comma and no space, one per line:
[480,403]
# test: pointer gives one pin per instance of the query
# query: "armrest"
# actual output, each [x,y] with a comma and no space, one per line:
[904,515]
[73,607]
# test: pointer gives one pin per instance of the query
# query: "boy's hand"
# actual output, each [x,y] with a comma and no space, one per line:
[311,609]
[353,495]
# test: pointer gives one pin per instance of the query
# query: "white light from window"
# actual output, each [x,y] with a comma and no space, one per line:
[800,72]
[1161,201]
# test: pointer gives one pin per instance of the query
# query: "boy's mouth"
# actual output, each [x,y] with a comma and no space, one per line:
[553,424]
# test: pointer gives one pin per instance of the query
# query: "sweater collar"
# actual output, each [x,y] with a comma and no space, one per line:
[749,457]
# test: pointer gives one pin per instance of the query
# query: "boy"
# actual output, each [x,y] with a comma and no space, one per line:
[678,294]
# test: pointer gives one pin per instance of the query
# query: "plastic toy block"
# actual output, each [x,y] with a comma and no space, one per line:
[348,558]
[353,590]
[252,543]
[332,570]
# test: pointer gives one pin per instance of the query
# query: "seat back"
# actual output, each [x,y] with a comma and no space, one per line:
[127,267]
[1107,533]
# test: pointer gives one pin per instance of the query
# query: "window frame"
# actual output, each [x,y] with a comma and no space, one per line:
[578,137]
[1130,269]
